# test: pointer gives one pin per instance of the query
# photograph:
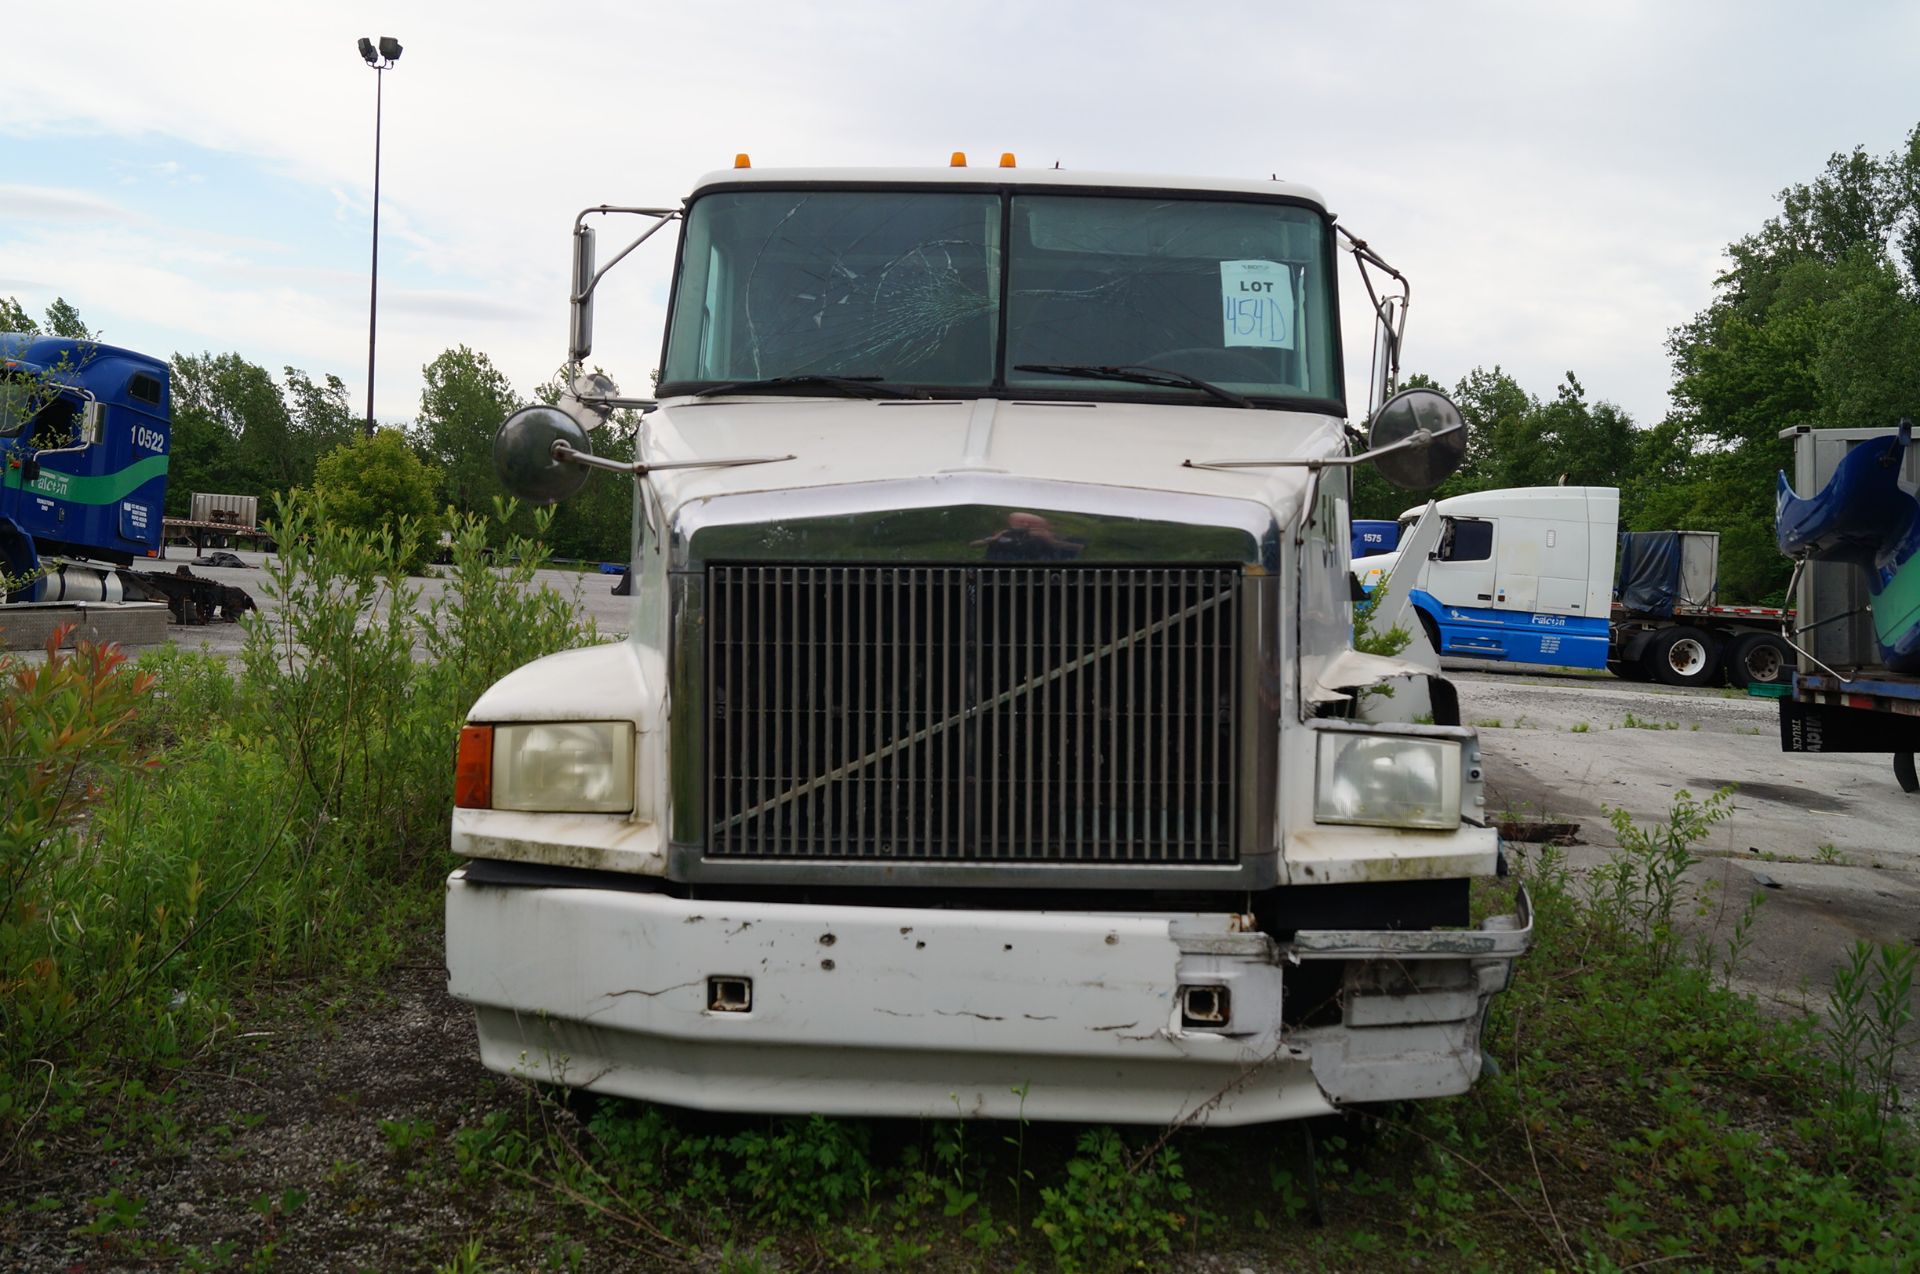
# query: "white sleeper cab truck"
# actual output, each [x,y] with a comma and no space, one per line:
[990,740]
[1532,575]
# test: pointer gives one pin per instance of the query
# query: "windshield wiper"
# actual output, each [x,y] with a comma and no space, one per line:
[1137,375]
[852,386]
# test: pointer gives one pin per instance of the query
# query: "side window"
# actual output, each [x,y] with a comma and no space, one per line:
[1467,540]
[55,425]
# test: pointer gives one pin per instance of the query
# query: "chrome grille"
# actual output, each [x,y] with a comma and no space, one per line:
[972,713]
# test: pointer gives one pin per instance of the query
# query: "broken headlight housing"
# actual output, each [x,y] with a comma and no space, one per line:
[564,766]
[1387,780]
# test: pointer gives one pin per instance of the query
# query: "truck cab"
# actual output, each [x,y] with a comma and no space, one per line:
[84,438]
[1523,573]
[990,740]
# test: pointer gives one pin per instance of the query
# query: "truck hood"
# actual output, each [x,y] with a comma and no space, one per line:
[871,456]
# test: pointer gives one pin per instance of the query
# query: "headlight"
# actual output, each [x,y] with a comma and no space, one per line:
[576,766]
[1386,780]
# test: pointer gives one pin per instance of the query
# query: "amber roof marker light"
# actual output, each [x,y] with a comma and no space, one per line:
[1006,159]
[741,161]
[959,159]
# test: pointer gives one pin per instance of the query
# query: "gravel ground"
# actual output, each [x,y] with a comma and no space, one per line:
[294,1102]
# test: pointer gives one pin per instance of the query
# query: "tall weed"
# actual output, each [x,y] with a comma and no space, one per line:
[370,686]
[171,833]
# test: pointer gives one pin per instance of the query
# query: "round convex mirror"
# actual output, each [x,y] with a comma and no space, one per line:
[523,454]
[1408,414]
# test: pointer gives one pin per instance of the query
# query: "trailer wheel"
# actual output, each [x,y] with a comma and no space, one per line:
[1683,657]
[1758,659]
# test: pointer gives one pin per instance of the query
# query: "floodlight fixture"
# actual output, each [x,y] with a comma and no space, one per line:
[380,59]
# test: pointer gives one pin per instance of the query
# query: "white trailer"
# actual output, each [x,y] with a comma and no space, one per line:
[988,740]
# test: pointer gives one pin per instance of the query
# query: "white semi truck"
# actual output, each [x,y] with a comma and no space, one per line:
[988,741]
[1542,575]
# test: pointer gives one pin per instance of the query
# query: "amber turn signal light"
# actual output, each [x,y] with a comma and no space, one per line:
[473,769]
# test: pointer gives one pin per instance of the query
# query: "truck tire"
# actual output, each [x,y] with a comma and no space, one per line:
[1627,669]
[1758,659]
[1683,656]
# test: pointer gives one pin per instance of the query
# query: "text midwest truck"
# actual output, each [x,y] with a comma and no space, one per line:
[988,741]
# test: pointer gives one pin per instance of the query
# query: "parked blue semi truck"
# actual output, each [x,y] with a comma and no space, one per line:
[85,432]
[1542,575]
[1856,539]
[1372,536]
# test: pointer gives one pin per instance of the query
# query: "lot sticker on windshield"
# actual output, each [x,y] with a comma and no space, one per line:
[1257,304]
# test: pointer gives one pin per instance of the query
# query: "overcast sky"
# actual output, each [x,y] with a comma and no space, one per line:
[1558,180]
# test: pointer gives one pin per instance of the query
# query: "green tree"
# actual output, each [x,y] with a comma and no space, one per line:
[64,320]
[369,484]
[319,416]
[236,429]
[465,399]
[230,393]
[14,317]
[1816,322]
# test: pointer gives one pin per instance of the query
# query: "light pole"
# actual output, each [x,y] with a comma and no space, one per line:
[380,57]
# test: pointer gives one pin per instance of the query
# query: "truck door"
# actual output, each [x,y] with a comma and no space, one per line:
[1459,578]
[1461,573]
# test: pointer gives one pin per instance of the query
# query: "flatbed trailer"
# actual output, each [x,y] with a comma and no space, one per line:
[1745,642]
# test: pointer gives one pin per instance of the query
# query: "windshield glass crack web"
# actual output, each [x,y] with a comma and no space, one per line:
[899,295]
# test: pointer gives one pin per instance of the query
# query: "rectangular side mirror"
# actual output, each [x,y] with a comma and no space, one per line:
[92,423]
[1386,353]
[580,322]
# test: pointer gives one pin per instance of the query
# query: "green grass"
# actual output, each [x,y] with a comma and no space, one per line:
[1638,723]
[173,835]
[1643,1114]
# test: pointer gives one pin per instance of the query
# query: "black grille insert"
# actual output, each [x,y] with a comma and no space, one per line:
[972,714]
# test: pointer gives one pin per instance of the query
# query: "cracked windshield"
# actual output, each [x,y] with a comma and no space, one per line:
[913,289]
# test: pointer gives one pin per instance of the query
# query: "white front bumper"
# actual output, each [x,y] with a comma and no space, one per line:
[938,1013]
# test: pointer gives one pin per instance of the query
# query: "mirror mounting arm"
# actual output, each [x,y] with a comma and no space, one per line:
[1418,440]
[1390,315]
[662,217]
[567,454]
[621,404]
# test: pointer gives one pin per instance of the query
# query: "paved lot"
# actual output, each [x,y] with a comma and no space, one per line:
[1569,746]
[594,593]
[1829,841]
